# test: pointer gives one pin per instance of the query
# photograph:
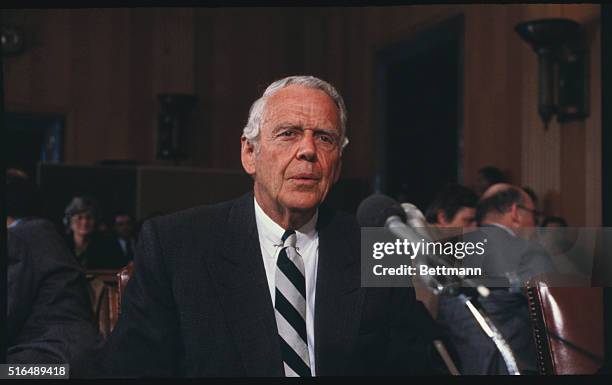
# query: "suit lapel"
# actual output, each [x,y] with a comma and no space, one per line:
[240,275]
[338,296]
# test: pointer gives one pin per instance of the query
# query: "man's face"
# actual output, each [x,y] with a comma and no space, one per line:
[526,218]
[462,222]
[123,226]
[464,218]
[526,214]
[297,158]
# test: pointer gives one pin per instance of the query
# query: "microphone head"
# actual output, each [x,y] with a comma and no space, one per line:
[375,209]
[414,216]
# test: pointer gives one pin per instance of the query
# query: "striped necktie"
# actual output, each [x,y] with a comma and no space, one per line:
[290,308]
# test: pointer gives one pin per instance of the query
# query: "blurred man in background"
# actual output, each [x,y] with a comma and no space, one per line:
[507,217]
[123,230]
[453,207]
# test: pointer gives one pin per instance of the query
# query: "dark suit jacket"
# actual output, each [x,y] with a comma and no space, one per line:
[49,313]
[198,303]
[505,253]
[507,308]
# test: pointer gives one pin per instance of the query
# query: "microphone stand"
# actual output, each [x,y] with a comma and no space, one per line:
[480,315]
[400,229]
[493,333]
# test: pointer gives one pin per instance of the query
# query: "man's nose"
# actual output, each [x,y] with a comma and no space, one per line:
[307,149]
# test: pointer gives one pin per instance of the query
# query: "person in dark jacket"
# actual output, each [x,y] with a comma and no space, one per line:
[49,316]
[268,284]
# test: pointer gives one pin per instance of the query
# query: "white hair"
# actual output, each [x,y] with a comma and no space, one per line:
[253,127]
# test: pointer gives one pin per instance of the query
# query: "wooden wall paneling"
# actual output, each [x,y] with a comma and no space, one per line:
[80,67]
[204,80]
[39,75]
[540,160]
[490,138]
[335,65]
[573,166]
[315,52]
[296,44]
[52,77]
[356,86]
[593,178]
[303,48]
[172,62]
[142,103]
[120,95]
[471,139]
[96,127]
[224,47]
[582,13]
[513,105]
[17,69]
[173,50]
[589,132]
[222,56]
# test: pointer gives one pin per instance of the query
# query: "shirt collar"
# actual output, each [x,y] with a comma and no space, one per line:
[273,233]
[507,229]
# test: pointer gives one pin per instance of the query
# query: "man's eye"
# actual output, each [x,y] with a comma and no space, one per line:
[287,133]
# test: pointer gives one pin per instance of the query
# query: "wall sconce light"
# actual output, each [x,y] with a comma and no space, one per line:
[13,40]
[173,120]
[561,49]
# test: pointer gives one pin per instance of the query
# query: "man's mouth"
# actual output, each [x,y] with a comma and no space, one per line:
[305,177]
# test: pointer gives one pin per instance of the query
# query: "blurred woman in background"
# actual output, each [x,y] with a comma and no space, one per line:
[92,249]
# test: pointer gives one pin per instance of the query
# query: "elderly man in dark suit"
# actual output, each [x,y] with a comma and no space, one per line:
[267,284]
[49,316]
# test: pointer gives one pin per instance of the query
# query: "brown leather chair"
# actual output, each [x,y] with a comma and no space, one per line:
[106,288]
[567,318]
[104,295]
[123,276]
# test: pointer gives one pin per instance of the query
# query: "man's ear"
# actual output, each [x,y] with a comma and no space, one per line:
[514,214]
[441,218]
[247,155]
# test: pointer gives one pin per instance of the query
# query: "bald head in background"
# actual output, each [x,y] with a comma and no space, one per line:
[507,205]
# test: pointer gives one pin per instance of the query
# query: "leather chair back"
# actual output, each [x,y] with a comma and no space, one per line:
[104,295]
[123,276]
[105,290]
[567,324]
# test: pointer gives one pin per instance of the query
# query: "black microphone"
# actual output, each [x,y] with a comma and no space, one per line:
[379,210]
[376,209]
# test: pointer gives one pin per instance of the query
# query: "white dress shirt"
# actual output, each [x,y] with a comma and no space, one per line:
[307,244]
[124,245]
